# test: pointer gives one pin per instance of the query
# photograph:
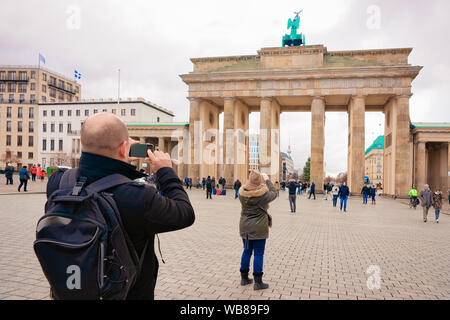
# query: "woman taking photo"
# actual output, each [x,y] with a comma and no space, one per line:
[255,197]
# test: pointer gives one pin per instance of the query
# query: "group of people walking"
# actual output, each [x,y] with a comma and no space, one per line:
[428,199]
[24,175]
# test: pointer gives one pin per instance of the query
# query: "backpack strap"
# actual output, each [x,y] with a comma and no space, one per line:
[106,183]
[69,179]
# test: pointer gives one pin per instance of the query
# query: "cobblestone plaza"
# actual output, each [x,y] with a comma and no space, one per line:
[318,253]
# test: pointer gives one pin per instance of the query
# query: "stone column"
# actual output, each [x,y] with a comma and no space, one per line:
[448,167]
[356,144]
[443,165]
[161,144]
[240,143]
[228,138]
[421,172]
[265,135]
[403,146]
[317,142]
[194,139]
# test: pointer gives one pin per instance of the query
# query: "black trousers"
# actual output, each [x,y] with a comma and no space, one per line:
[23,183]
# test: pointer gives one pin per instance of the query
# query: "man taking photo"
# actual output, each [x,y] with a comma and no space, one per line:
[145,213]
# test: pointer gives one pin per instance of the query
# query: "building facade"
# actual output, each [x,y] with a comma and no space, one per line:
[374,161]
[287,166]
[59,125]
[431,155]
[21,89]
[253,154]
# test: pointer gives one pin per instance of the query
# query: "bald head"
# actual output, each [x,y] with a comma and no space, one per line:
[103,134]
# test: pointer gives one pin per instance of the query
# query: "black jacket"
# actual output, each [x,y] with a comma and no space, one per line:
[344,192]
[292,186]
[144,212]
[237,185]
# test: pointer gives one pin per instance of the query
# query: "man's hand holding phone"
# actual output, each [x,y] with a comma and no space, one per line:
[158,160]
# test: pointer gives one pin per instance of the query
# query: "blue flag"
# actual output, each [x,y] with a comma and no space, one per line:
[77,75]
[41,58]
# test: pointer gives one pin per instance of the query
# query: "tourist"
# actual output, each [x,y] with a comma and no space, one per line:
[292,186]
[144,213]
[277,187]
[186,181]
[9,171]
[203,183]
[209,188]
[312,191]
[366,193]
[33,172]
[255,221]
[213,183]
[237,185]
[344,193]
[373,194]
[224,183]
[335,193]
[413,193]
[299,191]
[437,203]
[426,199]
[41,172]
[24,176]
[190,183]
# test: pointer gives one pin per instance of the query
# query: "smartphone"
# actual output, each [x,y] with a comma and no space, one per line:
[140,150]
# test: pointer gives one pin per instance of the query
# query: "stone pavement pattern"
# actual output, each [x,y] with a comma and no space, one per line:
[319,253]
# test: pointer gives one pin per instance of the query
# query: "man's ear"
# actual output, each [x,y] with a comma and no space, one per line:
[123,150]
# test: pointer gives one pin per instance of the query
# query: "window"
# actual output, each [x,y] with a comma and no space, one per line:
[11,98]
[69,128]
[52,145]
[2,87]
[12,87]
[113,111]
[69,113]
[44,76]
[33,74]
[61,127]
[8,141]
[52,113]
[52,92]
[30,141]
[19,141]
[69,97]
[78,113]
[12,75]
[61,113]
[86,113]
[30,155]
[157,119]
[123,112]
[19,126]
[22,98]
[44,113]
[8,112]
[52,127]
[1,98]
[33,86]
[105,110]
[44,145]
[23,88]
[52,81]
[8,126]
[44,88]
[33,98]
[61,95]
[19,155]
[133,112]
[60,145]
[22,75]
[44,98]
[60,83]
[44,127]
[2,75]
[95,111]
[31,113]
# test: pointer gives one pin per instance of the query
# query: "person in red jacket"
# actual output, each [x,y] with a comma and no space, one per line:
[33,172]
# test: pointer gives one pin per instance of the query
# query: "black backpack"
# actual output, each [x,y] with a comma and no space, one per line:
[81,244]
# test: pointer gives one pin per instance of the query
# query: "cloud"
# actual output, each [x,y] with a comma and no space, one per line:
[152,42]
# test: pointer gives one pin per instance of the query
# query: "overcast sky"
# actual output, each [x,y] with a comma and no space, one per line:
[152,42]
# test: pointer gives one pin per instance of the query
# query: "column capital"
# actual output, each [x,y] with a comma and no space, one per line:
[318,97]
[403,96]
[266,98]
[193,99]
[229,98]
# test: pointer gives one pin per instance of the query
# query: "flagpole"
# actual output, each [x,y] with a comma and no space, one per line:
[118,90]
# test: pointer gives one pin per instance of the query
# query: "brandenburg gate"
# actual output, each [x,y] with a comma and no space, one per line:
[300,79]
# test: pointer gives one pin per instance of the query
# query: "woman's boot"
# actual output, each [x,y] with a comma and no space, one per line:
[259,285]
[245,280]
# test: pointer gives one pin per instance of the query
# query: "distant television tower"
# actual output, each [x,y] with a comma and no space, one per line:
[289,151]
